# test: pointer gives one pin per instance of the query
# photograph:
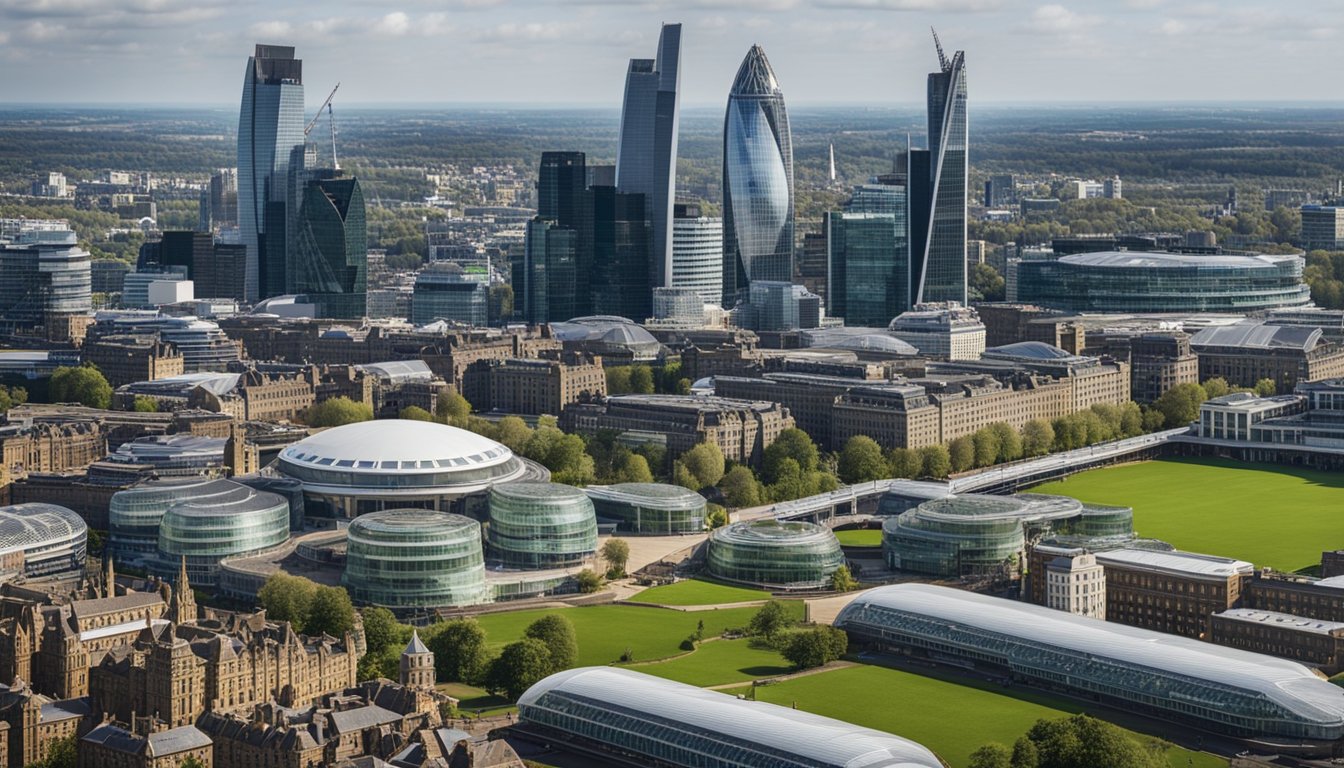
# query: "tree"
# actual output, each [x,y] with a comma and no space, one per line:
[1025,754]
[331,612]
[61,753]
[986,281]
[618,380]
[842,580]
[934,461]
[1153,419]
[715,516]
[589,581]
[641,379]
[563,454]
[84,384]
[617,553]
[338,411]
[770,620]
[145,404]
[381,629]
[632,468]
[815,647]
[1084,740]
[460,653]
[792,443]
[905,463]
[1215,387]
[740,488]
[1180,405]
[415,413]
[452,408]
[683,477]
[991,755]
[790,483]
[1131,419]
[287,598]
[705,463]
[1038,437]
[1265,388]
[513,432]
[518,667]
[557,633]
[961,451]
[191,761]
[1010,442]
[986,443]
[861,460]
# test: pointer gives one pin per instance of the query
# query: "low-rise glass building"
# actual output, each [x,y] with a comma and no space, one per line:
[415,558]
[648,720]
[656,509]
[1211,687]
[205,531]
[540,525]
[134,514]
[774,553]
[1132,281]
[40,540]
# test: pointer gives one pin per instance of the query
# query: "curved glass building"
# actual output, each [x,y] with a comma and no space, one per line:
[134,514]
[205,531]
[757,180]
[650,508]
[41,539]
[1132,281]
[415,558]
[773,553]
[173,455]
[360,468]
[540,525]
[1167,676]
[938,199]
[652,720]
[972,534]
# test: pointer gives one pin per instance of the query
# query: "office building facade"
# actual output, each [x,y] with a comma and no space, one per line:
[1322,227]
[938,258]
[697,252]
[867,279]
[757,180]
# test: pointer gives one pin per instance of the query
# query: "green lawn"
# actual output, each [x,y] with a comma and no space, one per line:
[949,718]
[719,662]
[475,700]
[699,592]
[860,537]
[1270,515]
[605,631]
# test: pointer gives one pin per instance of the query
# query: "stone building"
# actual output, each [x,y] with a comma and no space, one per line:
[1158,361]
[30,723]
[49,447]
[1076,585]
[417,664]
[110,745]
[544,386]
[126,359]
[1311,641]
[1172,592]
[1286,355]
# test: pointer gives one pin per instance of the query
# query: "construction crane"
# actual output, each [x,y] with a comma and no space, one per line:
[331,121]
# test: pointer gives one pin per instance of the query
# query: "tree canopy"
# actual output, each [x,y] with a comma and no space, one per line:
[83,384]
[338,411]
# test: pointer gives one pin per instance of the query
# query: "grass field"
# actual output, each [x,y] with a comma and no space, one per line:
[475,700]
[606,631]
[861,537]
[699,592]
[1270,515]
[950,718]
[720,662]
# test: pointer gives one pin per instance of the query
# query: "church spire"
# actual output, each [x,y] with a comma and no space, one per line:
[183,609]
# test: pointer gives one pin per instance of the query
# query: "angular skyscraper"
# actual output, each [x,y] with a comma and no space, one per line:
[270,126]
[646,158]
[757,180]
[328,259]
[938,242]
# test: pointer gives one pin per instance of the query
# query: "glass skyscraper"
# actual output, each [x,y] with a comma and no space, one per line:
[646,158]
[270,126]
[868,259]
[329,258]
[697,252]
[619,237]
[938,263]
[757,180]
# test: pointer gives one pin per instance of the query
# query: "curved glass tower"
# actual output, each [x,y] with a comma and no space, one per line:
[646,158]
[270,126]
[938,263]
[757,180]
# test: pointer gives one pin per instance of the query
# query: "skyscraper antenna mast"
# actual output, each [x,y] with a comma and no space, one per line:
[942,58]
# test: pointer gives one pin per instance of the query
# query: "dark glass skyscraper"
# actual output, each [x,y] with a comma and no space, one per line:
[270,126]
[938,267]
[868,260]
[328,260]
[646,158]
[757,180]
[619,235]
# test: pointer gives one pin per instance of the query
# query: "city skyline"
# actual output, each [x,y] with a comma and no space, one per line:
[1019,49]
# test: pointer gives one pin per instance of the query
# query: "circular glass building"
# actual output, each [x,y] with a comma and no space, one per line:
[771,553]
[1105,522]
[956,536]
[649,508]
[1132,281]
[41,539]
[415,558]
[205,531]
[134,514]
[360,468]
[540,525]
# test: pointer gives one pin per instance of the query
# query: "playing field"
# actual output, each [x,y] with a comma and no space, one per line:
[950,718]
[1270,515]
[699,592]
[604,632]
[719,662]
[860,537]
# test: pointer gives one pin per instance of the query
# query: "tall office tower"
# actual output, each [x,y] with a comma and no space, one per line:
[757,181]
[544,279]
[560,183]
[868,256]
[328,258]
[270,126]
[1000,189]
[224,198]
[697,252]
[47,280]
[619,235]
[938,264]
[646,158]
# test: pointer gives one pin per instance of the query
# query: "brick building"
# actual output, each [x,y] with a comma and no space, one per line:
[1173,592]
[741,428]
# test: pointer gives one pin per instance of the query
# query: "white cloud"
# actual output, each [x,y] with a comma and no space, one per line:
[1057,19]
[1172,27]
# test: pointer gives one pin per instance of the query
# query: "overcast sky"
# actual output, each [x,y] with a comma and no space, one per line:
[574,51]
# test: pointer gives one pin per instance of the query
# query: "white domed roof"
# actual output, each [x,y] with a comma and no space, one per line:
[396,445]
